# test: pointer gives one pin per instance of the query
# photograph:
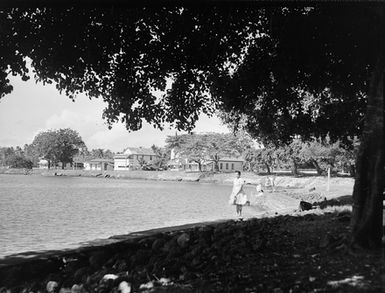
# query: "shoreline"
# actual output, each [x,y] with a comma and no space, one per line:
[284,200]
[206,177]
[126,257]
[282,203]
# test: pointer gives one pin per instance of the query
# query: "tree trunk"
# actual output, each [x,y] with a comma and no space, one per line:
[216,165]
[317,167]
[369,181]
[294,167]
[352,170]
[49,164]
[267,168]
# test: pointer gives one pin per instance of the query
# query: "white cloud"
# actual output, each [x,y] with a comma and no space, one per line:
[32,108]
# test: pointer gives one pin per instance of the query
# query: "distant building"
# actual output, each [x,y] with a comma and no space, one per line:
[230,164]
[224,165]
[132,158]
[193,166]
[99,164]
[78,164]
[42,164]
[175,165]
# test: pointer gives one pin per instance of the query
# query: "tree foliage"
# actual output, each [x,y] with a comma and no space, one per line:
[58,145]
[209,146]
[278,66]
[18,161]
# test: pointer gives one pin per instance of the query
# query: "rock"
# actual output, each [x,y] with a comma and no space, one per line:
[164,281]
[148,285]
[76,288]
[97,259]
[312,189]
[146,243]
[305,206]
[183,240]
[157,244]
[110,277]
[52,287]
[120,265]
[169,245]
[80,275]
[124,287]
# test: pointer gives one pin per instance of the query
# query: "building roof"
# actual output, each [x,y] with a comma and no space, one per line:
[98,160]
[229,159]
[139,151]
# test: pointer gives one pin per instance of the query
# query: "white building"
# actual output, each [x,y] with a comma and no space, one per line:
[133,158]
[99,164]
[43,164]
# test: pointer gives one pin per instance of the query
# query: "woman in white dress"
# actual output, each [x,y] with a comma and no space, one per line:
[238,196]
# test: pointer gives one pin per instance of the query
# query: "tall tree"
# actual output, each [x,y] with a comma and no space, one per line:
[267,156]
[58,145]
[44,146]
[291,71]
[163,156]
[5,153]
[19,161]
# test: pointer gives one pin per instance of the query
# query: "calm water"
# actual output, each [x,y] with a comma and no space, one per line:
[40,213]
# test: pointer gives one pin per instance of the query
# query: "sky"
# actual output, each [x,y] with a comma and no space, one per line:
[32,108]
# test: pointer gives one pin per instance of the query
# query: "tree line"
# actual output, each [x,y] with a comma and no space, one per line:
[56,146]
[315,153]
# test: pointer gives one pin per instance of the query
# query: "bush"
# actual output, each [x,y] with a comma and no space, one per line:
[19,162]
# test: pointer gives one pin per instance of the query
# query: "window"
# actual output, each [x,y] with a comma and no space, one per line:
[150,158]
[232,166]
[227,166]
[221,166]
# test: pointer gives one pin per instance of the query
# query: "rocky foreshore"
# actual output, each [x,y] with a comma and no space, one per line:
[298,253]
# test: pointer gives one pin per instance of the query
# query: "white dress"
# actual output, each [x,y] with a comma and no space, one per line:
[238,195]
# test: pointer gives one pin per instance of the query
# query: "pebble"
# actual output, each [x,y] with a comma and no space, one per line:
[164,281]
[183,240]
[76,289]
[148,285]
[124,287]
[110,277]
[52,287]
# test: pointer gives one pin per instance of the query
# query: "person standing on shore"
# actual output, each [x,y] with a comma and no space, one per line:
[238,196]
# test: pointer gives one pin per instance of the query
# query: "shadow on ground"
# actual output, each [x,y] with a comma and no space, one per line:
[338,201]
